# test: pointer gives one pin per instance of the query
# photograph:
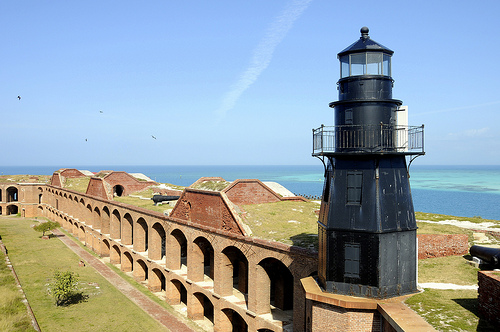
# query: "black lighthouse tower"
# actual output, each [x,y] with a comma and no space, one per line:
[367,227]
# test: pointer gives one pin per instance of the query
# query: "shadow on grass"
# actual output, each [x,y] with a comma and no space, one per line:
[74,298]
[472,305]
[305,240]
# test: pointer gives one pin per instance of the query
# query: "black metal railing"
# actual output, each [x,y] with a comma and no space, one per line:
[368,138]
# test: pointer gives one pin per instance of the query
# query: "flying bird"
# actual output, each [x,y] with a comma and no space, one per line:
[101,112]
[85,140]
[153,136]
[19,97]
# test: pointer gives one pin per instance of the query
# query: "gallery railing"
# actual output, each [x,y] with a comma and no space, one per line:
[368,139]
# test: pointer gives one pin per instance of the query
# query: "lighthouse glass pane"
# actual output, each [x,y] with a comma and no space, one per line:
[358,64]
[386,66]
[344,66]
[374,63]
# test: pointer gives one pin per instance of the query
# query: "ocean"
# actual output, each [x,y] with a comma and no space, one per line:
[465,191]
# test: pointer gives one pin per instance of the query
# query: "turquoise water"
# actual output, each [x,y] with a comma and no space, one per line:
[455,190]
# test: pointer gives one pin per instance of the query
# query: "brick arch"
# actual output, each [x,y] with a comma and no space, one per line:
[234,274]
[156,249]
[105,220]
[176,292]
[157,281]
[140,270]
[275,286]
[201,307]
[81,234]
[105,248]
[127,262]
[177,250]
[115,255]
[88,215]
[141,235]
[232,321]
[202,262]
[96,219]
[115,225]
[127,232]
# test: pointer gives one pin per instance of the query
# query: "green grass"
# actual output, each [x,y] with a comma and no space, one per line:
[25,178]
[212,185]
[77,184]
[441,217]
[147,204]
[451,269]
[36,260]
[13,312]
[289,222]
[450,310]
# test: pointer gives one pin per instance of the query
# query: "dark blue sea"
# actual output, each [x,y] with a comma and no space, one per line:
[466,191]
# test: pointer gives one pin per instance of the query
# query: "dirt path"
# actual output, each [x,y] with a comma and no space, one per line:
[148,305]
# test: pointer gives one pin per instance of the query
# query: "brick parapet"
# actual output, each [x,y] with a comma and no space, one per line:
[489,295]
[442,245]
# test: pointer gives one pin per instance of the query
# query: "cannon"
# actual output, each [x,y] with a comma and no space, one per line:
[162,198]
[488,255]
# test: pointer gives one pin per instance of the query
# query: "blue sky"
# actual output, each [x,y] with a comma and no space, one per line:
[234,82]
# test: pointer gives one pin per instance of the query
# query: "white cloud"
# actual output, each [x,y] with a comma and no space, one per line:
[470,133]
[263,53]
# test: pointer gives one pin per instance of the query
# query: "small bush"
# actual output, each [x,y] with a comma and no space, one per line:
[64,288]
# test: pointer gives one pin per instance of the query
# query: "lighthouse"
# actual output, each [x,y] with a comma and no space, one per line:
[367,227]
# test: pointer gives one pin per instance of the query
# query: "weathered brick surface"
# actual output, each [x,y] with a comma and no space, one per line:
[97,188]
[71,173]
[242,192]
[56,180]
[327,317]
[489,295]
[207,208]
[442,245]
[127,181]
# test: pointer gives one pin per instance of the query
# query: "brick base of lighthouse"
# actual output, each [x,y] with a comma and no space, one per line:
[333,312]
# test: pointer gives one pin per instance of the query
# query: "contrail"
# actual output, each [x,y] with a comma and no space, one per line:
[263,53]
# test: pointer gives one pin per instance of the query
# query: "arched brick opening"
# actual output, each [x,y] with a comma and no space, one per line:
[40,195]
[115,225]
[176,293]
[274,286]
[157,244]
[105,248]
[41,211]
[232,321]
[96,218]
[201,308]
[12,195]
[127,230]
[141,271]
[12,209]
[157,281]
[177,250]
[202,264]
[264,330]
[118,190]
[81,210]
[105,219]
[88,215]
[141,235]
[115,255]
[127,262]
[234,271]
[81,234]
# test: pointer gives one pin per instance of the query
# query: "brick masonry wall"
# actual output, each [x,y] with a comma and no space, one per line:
[96,188]
[244,192]
[489,295]
[442,245]
[327,317]
[71,173]
[129,183]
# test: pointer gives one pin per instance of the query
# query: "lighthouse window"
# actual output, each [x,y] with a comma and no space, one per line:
[354,186]
[374,63]
[351,265]
[386,66]
[344,66]
[358,64]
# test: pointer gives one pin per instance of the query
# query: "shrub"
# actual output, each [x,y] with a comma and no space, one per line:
[64,288]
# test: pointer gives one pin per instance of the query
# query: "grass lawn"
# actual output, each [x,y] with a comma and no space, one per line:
[36,260]
[13,313]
